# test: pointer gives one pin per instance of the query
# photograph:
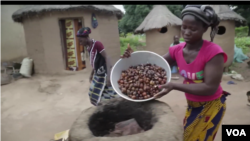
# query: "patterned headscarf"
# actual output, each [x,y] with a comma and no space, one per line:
[206,14]
[83,32]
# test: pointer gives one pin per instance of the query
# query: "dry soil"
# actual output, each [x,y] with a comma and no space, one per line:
[35,109]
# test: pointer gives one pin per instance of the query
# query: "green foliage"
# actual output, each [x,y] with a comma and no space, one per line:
[244,11]
[119,28]
[175,9]
[181,39]
[241,31]
[133,40]
[243,43]
[240,42]
[135,15]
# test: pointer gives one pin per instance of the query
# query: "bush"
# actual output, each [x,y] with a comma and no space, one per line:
[122,35]
[241,31]
[181,39]
[133,40]
[243,43]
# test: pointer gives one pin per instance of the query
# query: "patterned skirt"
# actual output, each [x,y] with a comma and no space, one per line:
[203,119]
[99,91]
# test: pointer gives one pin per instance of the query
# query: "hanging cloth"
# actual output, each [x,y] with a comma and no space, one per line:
[94,21]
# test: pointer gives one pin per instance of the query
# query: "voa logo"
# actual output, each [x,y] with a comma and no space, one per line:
[236,132]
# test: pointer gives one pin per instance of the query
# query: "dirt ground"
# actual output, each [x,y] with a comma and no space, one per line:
[35,109]
[243,69]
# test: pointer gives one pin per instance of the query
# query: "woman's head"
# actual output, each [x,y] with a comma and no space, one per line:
[176,39]
[195,21]
[83,35]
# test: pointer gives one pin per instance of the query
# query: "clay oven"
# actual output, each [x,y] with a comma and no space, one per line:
[155,117]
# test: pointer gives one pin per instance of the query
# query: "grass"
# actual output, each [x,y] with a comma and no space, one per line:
[243,43]
[241,31]
[133,40]
[241,40]
[181,39]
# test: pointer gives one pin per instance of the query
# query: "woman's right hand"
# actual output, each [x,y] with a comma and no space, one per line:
[90,78]
[127,52]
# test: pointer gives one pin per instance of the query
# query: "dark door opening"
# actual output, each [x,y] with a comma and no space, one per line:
[73,53]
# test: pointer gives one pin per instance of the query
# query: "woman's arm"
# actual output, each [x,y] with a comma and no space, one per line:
[92,72]
[212,77]
[100,48]
[91,75]
[108,64]
[168,58]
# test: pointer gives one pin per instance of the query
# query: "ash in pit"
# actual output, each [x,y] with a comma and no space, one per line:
[121,118]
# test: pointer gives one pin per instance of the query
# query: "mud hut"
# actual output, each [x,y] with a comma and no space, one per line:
[50,34]
[226,32]
[160,25]
[12,50]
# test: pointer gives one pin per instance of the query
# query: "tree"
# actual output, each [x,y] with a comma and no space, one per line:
[135,15]
[176,9]
[244,11]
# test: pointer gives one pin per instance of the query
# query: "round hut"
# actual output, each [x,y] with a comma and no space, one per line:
[50,34]
[226,32]
[160,26]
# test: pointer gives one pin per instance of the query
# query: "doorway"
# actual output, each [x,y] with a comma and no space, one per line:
[74,54]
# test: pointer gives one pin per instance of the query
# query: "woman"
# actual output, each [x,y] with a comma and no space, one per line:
[200,62]
[176,41]
[100,88]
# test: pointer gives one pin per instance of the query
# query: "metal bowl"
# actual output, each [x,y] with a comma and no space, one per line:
[137,58]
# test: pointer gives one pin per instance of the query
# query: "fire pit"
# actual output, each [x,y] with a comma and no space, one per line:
[154,117]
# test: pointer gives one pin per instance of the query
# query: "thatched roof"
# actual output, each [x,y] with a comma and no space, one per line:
[32,10]
[158,17]
[225,13]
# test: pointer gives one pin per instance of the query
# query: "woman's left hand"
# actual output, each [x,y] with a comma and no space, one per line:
[108,81]
[165,89]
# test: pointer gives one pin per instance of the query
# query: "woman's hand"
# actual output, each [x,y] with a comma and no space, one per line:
[127,52]
[90,78]
[165,89]
[108,80]
[91,75]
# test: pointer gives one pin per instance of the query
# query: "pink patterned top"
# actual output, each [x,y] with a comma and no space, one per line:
[193,72]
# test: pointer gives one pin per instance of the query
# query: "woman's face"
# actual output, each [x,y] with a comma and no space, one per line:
[191,29]
[83,41]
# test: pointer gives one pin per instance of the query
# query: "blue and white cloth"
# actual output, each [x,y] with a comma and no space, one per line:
[99,91]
